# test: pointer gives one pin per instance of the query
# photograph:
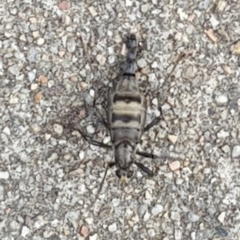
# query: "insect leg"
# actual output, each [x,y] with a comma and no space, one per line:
[96,143]
[157,119]
[146,154]
[111,164]
[99,115]
[91,141]
[153,122]
[144,169]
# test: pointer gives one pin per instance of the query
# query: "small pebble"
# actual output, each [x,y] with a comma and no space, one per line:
[81,155]
[222,99]
[35,34]
[34,86]
[71,45]
[84,231]
[7,131]
[53,157]
[174,165]
[236,48]
[32,75]
[38,97]
[112,227]
[141,63]
[94,237]
[47,136]
[142,209]
[40,41]
[210,33]
[42,79]
[101,59]
[90,129]
[47,234]
[64,5]
[154,64]
[222,134]
[92,10]
[92,93]
[193,217]
[4,175]
[203,4]
[158,208]
[151,233]
[58,129]
[214,22]
[172,138]
[236,151]
[221,217]
[14,70]
[14,11]
[145,7]
[25,231]
[23,38]
[221,5]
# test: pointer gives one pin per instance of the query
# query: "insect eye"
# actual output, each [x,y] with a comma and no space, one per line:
[118,173]
[129,174]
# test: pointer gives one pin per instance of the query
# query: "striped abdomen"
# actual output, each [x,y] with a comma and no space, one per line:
[127,114]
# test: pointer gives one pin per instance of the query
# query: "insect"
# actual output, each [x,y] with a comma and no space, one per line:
[126,117]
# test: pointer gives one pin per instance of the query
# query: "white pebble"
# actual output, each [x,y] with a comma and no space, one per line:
[146,216]
[90,129]
[93,237]
[128,3]
[89,220]
[154,64]
[214,22]
[172,138]
[155,101]
[7,131]
[112,227]
[58,128]
[151,233]
[32,75]
[4,175]
[222,99]
[193,217]
[34,86]
[107,139]
[221,217]
[236,151]
[101,59]
[145,8]
[81,155]
[158,208]
[92,93]
[92,10]
[25,231]
[53,157]
[13,99]
[47,136]
[222,134]
[40,41]
[142,63]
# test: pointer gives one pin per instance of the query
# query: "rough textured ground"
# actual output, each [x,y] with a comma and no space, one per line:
[55,56]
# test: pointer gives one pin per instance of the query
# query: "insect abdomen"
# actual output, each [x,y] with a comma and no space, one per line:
[127,107]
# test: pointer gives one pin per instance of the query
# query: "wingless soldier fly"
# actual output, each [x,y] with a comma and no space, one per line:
[126,118]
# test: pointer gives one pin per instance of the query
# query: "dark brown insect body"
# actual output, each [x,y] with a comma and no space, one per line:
[126,114]
[126,118]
